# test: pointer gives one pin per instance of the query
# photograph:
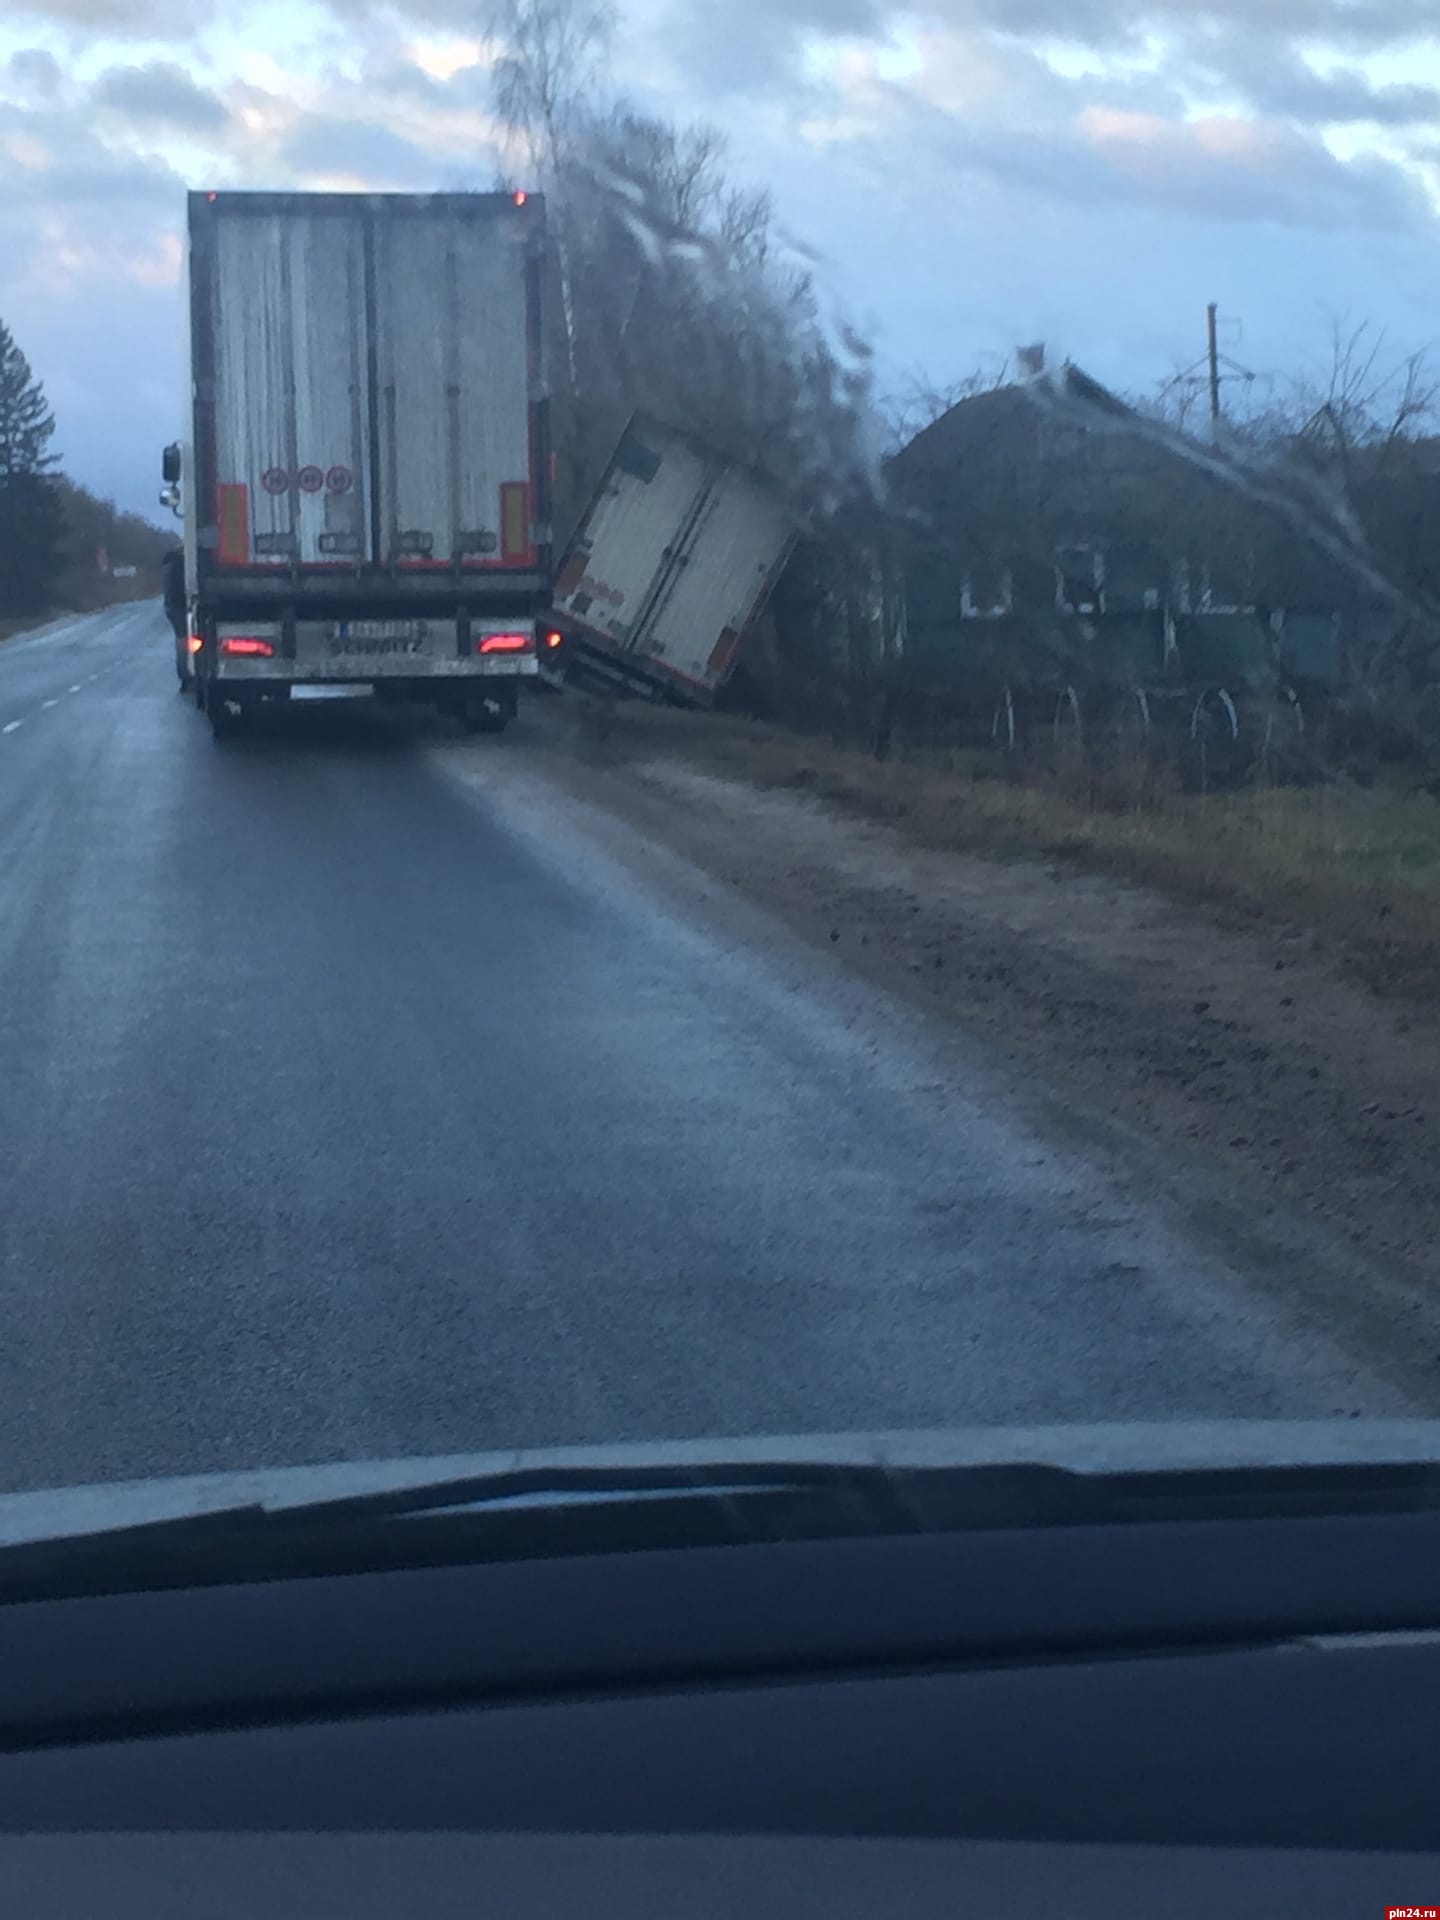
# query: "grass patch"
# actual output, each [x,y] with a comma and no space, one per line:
[1360,867]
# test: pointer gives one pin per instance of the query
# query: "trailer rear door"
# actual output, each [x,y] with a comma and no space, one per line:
[281,322]
[455,367]
[731,552]
[618,561]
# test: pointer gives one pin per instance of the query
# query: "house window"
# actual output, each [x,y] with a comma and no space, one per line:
[987,594]
[1079,580]
[1221,592]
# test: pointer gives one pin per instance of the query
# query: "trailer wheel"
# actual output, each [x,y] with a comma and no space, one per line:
[487,713]
[223,723]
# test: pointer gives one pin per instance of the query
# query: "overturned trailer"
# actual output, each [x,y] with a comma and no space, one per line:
[669,568]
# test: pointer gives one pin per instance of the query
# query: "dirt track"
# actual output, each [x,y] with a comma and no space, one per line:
[1246,1050]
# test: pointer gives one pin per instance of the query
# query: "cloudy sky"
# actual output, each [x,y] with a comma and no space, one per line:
[976,173]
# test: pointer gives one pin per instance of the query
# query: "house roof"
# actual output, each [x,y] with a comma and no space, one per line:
[976,421]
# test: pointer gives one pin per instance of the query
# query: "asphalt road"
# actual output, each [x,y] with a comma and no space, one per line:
[360,1098]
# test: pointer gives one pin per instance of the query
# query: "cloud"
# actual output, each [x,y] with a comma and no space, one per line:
[977,105]
[1342,97]
[1216,169]
[390,126]
[32,73]
[1236,169]
[1112,24]
[90,262]
[369,154]
[440,59]
[972,182]
[79,170]
[759,46]
[120,19]
[1225,62]
[755,47]
[75,211]
[160,92]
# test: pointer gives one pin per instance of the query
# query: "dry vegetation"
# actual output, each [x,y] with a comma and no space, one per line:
[1358,865]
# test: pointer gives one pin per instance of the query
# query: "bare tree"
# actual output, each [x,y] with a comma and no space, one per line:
[679,295]
[1343,464]
[555,54]
[555,57]
[1356,420]
[920,401]
[684,302]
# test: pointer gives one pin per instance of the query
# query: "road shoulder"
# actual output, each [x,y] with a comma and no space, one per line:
[1248,1052]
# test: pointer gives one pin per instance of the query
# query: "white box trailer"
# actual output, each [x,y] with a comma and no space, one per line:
[673,561]
[365,485]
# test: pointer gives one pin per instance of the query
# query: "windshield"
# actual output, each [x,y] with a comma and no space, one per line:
[717,726]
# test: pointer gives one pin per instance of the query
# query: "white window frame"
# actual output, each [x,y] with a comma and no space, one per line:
[996,609]
[1097,576]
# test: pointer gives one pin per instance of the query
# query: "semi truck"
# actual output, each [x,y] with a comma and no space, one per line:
[364,483]
[670,566]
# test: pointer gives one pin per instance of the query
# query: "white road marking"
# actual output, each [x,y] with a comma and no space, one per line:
[11,725]
[49,703]
[75,688]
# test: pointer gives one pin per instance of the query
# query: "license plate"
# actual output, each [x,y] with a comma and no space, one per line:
[381,630]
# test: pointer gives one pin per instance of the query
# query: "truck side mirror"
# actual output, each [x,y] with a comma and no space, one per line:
[170,465]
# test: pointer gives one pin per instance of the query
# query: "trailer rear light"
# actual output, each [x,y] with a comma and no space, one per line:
[194,643]
[505,643]
[245,647]
[553,640]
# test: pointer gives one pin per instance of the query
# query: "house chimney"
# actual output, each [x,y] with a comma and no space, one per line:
[1031,360]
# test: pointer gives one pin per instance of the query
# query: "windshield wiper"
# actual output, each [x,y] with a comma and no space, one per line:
[556,1509]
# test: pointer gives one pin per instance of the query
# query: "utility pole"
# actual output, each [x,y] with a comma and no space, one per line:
[1217,369]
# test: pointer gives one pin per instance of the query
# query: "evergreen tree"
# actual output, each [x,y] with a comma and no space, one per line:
[31,517]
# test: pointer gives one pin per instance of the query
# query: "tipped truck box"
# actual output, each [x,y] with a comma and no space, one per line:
[672,563]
